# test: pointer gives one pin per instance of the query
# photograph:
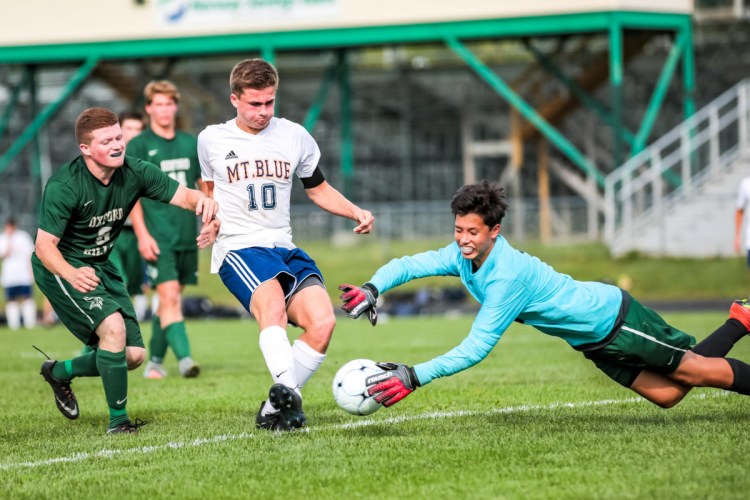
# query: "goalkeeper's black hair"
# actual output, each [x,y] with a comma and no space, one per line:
[484,198]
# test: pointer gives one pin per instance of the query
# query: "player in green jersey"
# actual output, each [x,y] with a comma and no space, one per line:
[166,235]
[84,207]
[125,255]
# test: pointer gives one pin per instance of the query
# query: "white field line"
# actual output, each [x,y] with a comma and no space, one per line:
[145,450]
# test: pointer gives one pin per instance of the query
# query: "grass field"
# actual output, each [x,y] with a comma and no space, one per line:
[534,420]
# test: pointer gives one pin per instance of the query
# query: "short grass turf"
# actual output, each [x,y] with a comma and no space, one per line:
[534,420]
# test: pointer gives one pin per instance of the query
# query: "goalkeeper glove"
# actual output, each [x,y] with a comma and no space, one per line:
[358,300]
[393,385]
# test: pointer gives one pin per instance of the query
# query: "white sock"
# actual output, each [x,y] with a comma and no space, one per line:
[13,315]
[306,361]
[274,344]
[29,313]
[140,304]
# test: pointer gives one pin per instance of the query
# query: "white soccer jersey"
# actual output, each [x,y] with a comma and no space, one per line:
[743,203]
[252,176]
[16,269]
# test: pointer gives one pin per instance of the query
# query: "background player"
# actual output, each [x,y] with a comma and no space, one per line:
[125,254]
[83,210]
[248,163]
[166,235]
[629,342]
[16,247]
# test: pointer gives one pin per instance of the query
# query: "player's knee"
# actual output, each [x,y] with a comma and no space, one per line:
[325,325]
[135,357]
[668,401]
[271,313]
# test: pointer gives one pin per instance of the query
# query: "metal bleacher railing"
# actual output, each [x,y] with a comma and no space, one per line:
[638,193]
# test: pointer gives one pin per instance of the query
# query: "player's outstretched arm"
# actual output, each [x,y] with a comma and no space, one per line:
[83,279]
[358,300]
[332,201]
[393,385]
[193,199]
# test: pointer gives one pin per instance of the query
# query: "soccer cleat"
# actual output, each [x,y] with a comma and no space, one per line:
[127,427]
[740,311]
[64,398]
[189,368]
[289,404]
[270,421]
[154,371]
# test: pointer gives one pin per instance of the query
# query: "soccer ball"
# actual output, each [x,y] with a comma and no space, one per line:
[349,389]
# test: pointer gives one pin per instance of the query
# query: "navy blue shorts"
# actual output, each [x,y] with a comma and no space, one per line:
[244,270]
[18,292]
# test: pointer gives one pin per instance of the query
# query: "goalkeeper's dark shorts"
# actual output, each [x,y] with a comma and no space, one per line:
[643,341]
[245,270]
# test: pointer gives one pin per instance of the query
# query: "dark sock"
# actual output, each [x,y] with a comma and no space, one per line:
[113,368]
[741,370]
[178,339]
[719,343]
[158,344]
[84,365]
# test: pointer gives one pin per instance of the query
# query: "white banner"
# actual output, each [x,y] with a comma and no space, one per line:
[180,13]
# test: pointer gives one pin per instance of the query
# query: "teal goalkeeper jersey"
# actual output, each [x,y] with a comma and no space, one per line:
[510,285]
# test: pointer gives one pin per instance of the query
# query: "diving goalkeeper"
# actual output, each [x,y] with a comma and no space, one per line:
[630,343]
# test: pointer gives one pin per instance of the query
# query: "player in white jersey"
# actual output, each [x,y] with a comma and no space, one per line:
[743,204]
[16,247]
[248,164]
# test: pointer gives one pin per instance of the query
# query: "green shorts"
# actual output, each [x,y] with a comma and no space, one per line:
[126,257]
[180,265]
[82,313]
[644,341]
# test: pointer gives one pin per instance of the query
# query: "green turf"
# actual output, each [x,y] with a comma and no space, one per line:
[534,420]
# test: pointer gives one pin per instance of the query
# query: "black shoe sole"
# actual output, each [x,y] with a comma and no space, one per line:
[289,405]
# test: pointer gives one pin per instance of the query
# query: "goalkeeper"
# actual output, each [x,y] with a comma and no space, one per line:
[630,343]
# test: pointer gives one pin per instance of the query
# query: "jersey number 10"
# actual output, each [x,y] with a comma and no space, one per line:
[267,197]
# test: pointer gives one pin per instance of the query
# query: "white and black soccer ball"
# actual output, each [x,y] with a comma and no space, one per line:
[349,389]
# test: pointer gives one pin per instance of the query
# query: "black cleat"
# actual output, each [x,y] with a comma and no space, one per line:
[127,427]
[270,421]
[289,404]
[64,398]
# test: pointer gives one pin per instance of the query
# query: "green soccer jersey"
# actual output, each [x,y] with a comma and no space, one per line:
[170,226]
[87,216]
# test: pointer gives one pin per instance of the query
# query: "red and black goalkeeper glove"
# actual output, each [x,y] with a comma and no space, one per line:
[393,385]
[358,300]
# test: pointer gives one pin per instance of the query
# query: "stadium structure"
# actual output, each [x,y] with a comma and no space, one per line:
[578,107]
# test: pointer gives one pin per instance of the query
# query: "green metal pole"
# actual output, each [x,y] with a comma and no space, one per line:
[320,98]
[13,100]
[267,53]
[36,169]
[591,102]
[688,70]
[78,78]
[616,76]
[662,85]
[347,143]
[528,112]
